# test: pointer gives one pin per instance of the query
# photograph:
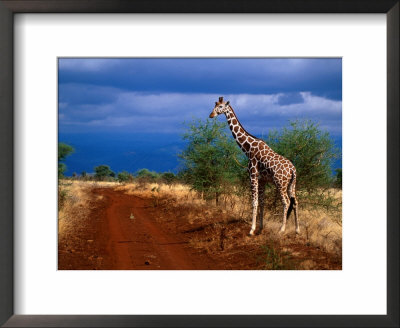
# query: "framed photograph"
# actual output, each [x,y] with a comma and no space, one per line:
[214,164]
[169,184]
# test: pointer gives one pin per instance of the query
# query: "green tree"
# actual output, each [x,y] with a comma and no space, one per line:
[209,159]
[168,178]
[338,178]
[102,172]
[147,176]
[124,176]
[310,149]
[64,150]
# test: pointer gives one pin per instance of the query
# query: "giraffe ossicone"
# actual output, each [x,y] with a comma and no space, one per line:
[265,166]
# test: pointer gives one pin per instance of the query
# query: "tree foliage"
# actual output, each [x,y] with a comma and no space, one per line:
[147,175]
[102,172]
[310,149]
[312,152]
[124,176]
[338,178]
[64,150]
[208,160]
[168,178]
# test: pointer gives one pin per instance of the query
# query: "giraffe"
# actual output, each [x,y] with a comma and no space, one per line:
[264,166]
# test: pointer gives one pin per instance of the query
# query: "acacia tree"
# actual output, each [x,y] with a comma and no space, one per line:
[103,172]
[310,149]
[312,152]
[64,150]
[124,176]
[338,179]
[208,160]
[146,176]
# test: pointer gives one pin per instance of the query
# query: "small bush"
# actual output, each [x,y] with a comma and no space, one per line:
[146,176]
[102,172]
[124,176]
[168,178]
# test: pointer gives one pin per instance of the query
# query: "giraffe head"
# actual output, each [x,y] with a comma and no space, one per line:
[220,107]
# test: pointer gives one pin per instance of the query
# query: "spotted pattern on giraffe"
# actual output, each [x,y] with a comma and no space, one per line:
[265,166]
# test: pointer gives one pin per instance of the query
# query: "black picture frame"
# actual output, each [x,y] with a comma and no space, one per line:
[7,11]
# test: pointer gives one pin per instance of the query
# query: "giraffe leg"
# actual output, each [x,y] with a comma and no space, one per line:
[254,194]
[293,198]
[261,200]
[285,202]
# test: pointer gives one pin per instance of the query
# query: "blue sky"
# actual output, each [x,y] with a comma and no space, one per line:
[131,98]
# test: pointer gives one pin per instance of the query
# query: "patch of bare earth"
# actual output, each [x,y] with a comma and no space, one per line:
[125,228]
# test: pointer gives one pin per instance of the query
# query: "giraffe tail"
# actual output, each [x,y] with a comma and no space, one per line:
[290,207]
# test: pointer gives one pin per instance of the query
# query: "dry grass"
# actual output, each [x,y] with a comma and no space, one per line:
[319,227]
[222,229]
[178,192]
[74,199]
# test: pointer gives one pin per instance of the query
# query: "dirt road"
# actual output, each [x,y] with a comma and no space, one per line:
[123,234]
[137,241]
[128,232]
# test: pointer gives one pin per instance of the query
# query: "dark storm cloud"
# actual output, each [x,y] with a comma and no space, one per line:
[145,95]
[321,77]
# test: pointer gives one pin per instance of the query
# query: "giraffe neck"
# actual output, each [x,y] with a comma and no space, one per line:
[242,137]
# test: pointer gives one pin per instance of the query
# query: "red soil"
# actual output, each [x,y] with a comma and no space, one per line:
[127,232]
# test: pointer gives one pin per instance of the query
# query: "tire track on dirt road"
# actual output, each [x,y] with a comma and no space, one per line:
[139,242]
